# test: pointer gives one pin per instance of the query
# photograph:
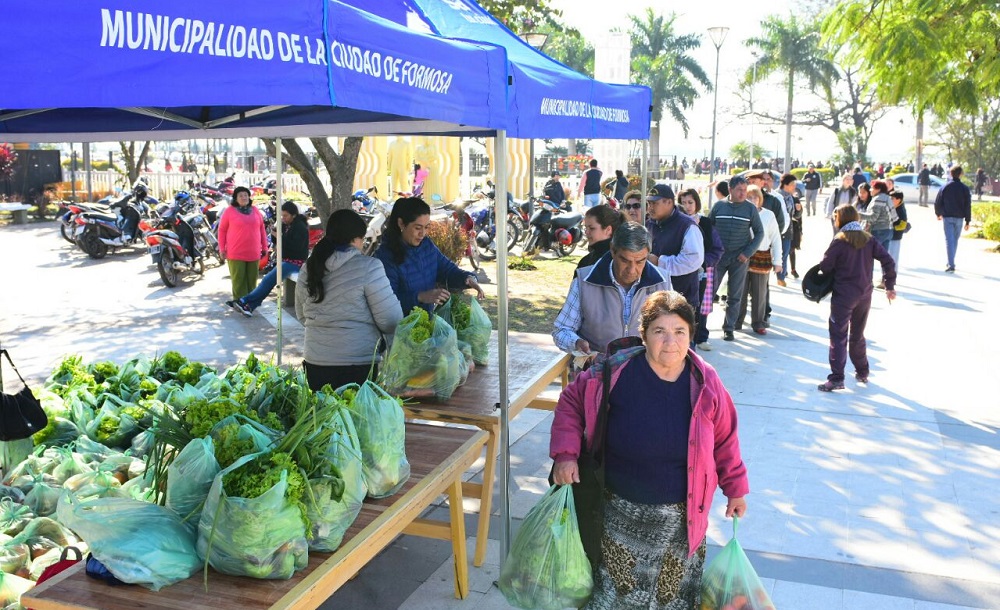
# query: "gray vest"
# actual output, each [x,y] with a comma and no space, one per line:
[601,309]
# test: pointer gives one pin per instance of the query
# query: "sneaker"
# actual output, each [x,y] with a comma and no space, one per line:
[949,270]
[727,335]
[880,286]
[861,378]
[795,274]
[760,331]
[829,386]
[243,308]
[705,346]
[230,304]
[782,283]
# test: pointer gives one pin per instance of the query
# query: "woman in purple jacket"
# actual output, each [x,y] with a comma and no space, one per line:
[850,258]
[669,440]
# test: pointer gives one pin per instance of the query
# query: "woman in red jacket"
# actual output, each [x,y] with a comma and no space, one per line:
[670,439]
[242,242]
[851,258]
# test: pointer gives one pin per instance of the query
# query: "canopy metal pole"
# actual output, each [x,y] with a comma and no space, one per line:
[87,170]
[500,211]
[644,170]
[277,238]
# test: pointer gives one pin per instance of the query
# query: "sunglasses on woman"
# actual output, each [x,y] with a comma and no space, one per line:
[632,206]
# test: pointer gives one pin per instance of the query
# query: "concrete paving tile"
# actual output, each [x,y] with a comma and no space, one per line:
[857,599]
[793,596]
[922,605]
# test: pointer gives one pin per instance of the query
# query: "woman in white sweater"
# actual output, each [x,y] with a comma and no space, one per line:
[344,300]
[760,265]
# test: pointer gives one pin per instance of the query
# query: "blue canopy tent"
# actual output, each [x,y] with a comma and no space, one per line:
[88,71]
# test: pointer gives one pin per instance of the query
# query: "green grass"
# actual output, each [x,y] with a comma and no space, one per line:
[535,296]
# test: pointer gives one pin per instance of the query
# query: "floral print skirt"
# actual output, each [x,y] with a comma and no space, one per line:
[645,559]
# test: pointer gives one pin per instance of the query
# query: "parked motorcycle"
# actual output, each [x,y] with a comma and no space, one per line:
[554,226]
[179,243]
[376,224]
[482,212]
[123,225]
[363,201]
[68,213]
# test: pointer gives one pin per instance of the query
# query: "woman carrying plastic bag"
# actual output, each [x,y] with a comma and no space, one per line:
[730,582]
[547,568]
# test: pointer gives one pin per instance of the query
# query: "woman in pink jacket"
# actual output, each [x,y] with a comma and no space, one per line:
[242,242]
[669,440]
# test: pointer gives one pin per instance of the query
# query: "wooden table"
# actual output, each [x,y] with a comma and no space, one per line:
[438,458]
[534,362]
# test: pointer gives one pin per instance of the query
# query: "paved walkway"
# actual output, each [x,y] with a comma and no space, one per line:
[880,496]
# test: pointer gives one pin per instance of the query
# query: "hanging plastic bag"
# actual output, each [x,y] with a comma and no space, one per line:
[262,537]
[730,582]
[424,360]
[471,324]
[335,501]
[381,430]
[547,568]
[140,543]
[189,477]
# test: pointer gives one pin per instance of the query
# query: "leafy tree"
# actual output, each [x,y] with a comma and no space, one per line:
[661,61]
[569,47]
[790,48]
[340,166]
[515,13]
[741,153]
[970,138]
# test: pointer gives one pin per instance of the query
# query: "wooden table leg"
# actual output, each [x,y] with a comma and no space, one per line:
[458,539]
[486,498]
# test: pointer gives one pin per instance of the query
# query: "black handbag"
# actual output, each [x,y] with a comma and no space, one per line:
[21,415]
[588,494]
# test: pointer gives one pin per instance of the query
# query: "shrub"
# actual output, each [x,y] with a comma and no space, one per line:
[991,229]
[448,238]
[898,169]
[982,213]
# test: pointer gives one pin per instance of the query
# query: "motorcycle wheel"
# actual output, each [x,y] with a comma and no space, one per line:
[93,246]
[565,250]
[486,253]
[168,274]
[199,267]
[513,235]
[67,232]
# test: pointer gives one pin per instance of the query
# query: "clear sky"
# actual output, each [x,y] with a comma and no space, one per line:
[593,18]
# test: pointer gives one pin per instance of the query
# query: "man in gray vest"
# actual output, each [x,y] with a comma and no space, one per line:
[605,299]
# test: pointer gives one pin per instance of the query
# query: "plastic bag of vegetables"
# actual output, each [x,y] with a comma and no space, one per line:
[424,360]
[140,543]
[730,582]
[382,435]
[252,523]
[43,499]
[335,501]
[189,477]
[12,587]
[116,423]
[15,556]
[96,484]
[547,568]
[471,324]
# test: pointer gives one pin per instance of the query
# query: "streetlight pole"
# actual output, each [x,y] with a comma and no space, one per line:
[753,82]
[718,35]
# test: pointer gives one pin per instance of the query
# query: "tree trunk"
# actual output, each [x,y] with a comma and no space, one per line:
[787,165]
[297,159]
[134,165]
[341,168]
[920,141]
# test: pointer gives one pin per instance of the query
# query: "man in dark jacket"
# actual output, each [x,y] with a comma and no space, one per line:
[859,177]
[924,180]
[813,183]
[952,206]
[678,248]
[554,191]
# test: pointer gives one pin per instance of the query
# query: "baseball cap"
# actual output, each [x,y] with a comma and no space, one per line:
[660,191]
[555,173]
[737,180]
[760,173]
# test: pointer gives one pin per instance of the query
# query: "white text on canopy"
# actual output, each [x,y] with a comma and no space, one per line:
[166,34]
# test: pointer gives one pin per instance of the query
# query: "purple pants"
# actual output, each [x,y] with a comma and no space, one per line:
[848,319]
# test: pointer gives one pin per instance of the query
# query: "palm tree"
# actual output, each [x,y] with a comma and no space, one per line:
[791,48]
[660,61]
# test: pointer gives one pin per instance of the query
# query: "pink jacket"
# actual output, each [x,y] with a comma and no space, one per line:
[241,236]
[714,449]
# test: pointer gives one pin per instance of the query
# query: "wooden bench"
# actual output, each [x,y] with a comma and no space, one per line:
[18,212]
[534,362]
[438,457]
